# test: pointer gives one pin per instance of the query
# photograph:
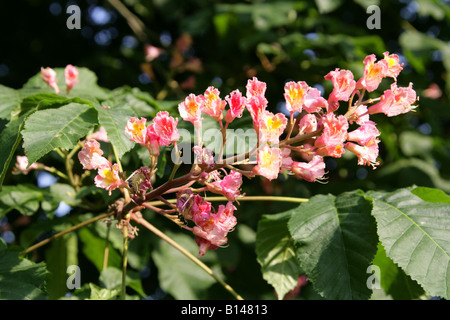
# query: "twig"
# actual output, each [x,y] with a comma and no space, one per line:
[190,256]
[60,234]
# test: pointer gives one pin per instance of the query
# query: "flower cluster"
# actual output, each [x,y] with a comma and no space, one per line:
[296,144]
[70,75]
[211,228]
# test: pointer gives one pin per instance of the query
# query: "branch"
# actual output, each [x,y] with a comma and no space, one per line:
[190,256]
[60,234]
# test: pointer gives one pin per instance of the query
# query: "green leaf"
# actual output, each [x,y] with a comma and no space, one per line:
[431,194]
[414,234]
[9,100]
[114,120]
[142,103]
[336,241]
[111,278]
[98,293]
[23,198]
[393,280]
[275,252]
[61,254]
[178,275]
[42,101]
[94,248]
[326,6]
[415,144]
[46,130]
[10,139]
[20,279]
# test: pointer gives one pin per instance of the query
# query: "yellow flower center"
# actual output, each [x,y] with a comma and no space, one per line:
[273,123]
[390,61]
[109,176]
[296,93]
[266,159]
[192,108]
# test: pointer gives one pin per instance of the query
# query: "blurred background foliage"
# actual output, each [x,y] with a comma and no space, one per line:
[224,43]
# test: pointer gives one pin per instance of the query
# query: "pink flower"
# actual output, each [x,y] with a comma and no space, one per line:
[394,66]
[365,134]
[331,141]
[360,114]
[212,232]
[152,140]
[21,166]
[395,101]
[268,162]
[311,171]
[166,128]
[237,105]
[71,76]
[373,73]
[367,155]
[108,178]
[343,87]
[212,104]
[286,160]
[204,156]
[307,124]
[191,109]
[256,105]
[136,129]
[49,76]
[90,155]
[200,212]
[230,186]
[99,135]
[255,88]
[294,94]
[271,127]
[204,245]
[152,52]
[314,102]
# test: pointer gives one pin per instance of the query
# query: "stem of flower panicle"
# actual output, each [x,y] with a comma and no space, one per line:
[125,260]
[191,257]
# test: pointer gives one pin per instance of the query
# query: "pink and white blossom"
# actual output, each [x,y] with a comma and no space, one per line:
[343,87]
[255,88]
[191,109]
[237,103]
[367,155]
[71,77]
[307,124]
[271,127]
[90,156]
[213,105]
[108,178]
[394,66]
[397,100]
[165,127]
[229,186]
[268,162]
[365,134]
[331,141]
[49,76]
[311,171]
[137,130]
[294,95]
[374,72]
